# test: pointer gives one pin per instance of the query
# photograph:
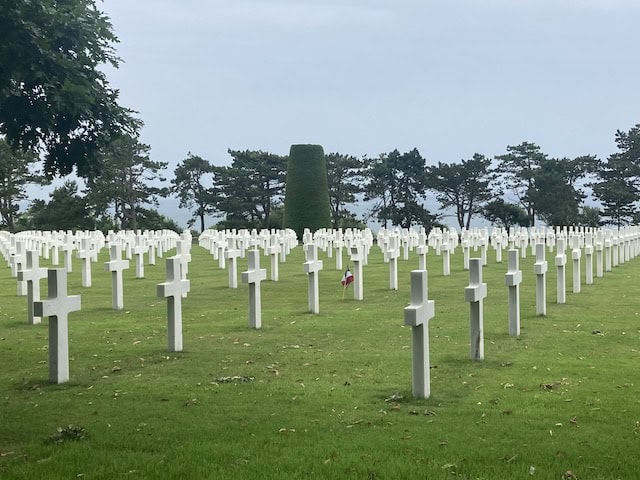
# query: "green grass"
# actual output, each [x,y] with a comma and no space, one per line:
[315,405]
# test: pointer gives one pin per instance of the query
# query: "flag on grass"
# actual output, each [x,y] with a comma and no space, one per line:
[347,278]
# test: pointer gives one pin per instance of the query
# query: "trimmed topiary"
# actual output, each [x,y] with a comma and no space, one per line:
[306,202]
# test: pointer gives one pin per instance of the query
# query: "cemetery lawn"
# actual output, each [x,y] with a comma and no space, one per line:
[327,395]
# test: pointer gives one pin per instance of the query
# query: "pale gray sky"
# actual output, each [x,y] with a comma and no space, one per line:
[367,76]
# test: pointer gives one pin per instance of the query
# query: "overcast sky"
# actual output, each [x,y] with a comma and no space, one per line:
[363,77]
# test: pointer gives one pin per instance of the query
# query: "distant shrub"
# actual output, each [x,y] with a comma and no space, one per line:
[306,202]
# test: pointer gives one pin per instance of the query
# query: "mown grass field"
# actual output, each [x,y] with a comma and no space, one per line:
[327,395]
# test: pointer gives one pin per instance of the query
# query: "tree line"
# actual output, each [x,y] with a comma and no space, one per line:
[515,188]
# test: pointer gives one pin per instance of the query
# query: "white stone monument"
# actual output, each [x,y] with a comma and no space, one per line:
[253,276]
[32,274]
[561,261]
[84,254]
[357,259]
[138,251]
[231,254]
[475,293]
[392,254]
[588,258]
[417,316]
[57,307]
[540,269]
[576,254]
[173,290]
[312,268]
[116,265]
[513,278]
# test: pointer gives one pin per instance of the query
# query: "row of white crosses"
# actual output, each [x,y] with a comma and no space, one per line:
[58,305]
[177,284]
[421,310]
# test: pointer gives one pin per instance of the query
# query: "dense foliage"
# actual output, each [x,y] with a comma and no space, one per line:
[54,95]
[307,191]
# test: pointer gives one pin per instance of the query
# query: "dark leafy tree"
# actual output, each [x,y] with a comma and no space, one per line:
[16,173]
[66,210]
[344,175]
[466,186]
[557,198]
[251,187]
[195,185]
[380,182]
[306,203]
[617,185]
[517,168]
[54,95]
[129,180]
[396,184]
[505,215]
[151,219]
[589,217]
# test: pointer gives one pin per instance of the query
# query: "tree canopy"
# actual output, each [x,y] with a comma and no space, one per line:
[54,97]
[466,186]
[194,183]
[17,171]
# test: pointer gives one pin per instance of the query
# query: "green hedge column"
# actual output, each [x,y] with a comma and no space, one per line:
[306,201]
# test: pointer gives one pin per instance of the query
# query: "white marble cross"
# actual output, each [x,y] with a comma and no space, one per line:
[231,254]
[253,276]
[417,316]
[422,250]
[32,274]
[357,259]
[138,251]
[183,247]
[338,246]
[576,253]
[607,251]
[116,265]
[446,255]
[540,269]
[599,253]
[392,254]
[475,294]
[312,268]
[274,252]
[57,307]
[173,290]
[67,248]
[85,254]
[561,261]
[18,260]
[513,278]
[588,258]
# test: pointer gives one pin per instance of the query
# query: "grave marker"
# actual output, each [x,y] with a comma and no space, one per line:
[417,316]
[116,265]
[253,276]
[475,294]
[32,274]
[57,307]
[513,278]
[561,261]
[231,254]
[85,254]
[356,258]
[312,268]
[540,269]
[392,254]
[173,290]
[576,254]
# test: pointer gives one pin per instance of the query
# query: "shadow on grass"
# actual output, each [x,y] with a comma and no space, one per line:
[37,384]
